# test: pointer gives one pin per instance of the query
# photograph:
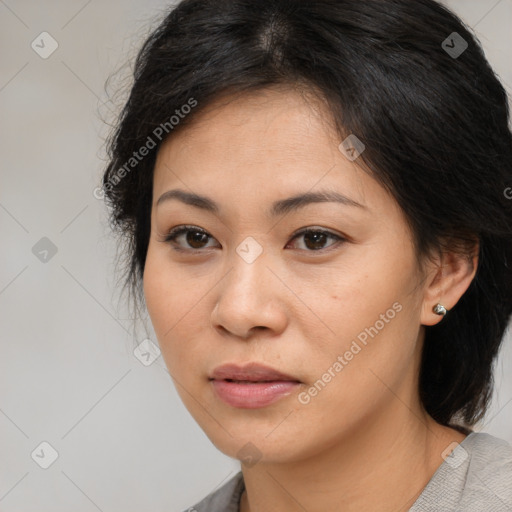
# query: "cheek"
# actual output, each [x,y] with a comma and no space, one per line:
[351,379]
[373,321]
[174,305]
[356,299]
[167,289]
[156,291]
[162,287]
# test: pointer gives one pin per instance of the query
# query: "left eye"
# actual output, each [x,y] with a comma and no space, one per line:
[314,239]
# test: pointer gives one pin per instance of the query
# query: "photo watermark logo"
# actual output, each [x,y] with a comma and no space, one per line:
[158,133]
[342,360]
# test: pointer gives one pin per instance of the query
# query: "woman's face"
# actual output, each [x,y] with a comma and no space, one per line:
[340,315]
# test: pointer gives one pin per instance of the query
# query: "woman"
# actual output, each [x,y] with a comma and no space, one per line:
[313,195]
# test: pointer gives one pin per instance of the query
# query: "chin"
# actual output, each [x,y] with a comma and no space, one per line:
[254,445]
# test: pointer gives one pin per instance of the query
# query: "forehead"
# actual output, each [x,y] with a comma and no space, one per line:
[278,130]
[259,148]
[277,122]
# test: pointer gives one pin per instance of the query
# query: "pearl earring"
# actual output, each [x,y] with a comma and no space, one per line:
[439,309]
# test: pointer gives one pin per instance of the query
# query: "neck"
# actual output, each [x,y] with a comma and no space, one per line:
[383,467]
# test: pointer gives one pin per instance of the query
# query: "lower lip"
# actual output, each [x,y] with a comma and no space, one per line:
[252,395]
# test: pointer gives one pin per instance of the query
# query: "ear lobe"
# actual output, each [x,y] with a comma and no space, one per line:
[447,281]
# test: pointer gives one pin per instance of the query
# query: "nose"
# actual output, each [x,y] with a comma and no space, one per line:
[250,299]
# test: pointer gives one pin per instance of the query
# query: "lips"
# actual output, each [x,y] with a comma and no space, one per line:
[249,373]
[251,386]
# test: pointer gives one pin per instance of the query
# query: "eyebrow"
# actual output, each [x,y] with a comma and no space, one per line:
[281,207]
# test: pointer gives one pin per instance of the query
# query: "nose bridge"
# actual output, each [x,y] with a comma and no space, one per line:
[247,297]
[249,261]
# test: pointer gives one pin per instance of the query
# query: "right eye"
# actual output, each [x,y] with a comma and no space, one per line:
[194,236]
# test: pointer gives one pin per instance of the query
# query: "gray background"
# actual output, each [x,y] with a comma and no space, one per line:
[68,375]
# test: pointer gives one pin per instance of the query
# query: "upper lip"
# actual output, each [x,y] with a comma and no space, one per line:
[254,372]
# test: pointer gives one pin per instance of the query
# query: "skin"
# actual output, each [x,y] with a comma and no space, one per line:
[364,442]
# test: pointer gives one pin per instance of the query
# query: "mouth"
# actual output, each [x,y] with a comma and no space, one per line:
[252,394]
[250,373]
[254,381]
[251,386]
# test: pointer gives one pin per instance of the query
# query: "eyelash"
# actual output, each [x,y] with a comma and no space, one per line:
[174,233]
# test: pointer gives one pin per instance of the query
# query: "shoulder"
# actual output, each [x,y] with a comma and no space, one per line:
[476,476]
[489,473]
[224,499]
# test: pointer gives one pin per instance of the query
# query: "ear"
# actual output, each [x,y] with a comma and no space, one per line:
[448,277]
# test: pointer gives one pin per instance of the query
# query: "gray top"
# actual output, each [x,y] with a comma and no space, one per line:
[475,477]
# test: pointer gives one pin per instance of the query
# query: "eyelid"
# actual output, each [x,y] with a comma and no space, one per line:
[316,229]
[173,233]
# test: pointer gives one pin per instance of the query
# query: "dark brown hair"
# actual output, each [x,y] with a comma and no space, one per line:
[412,82]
